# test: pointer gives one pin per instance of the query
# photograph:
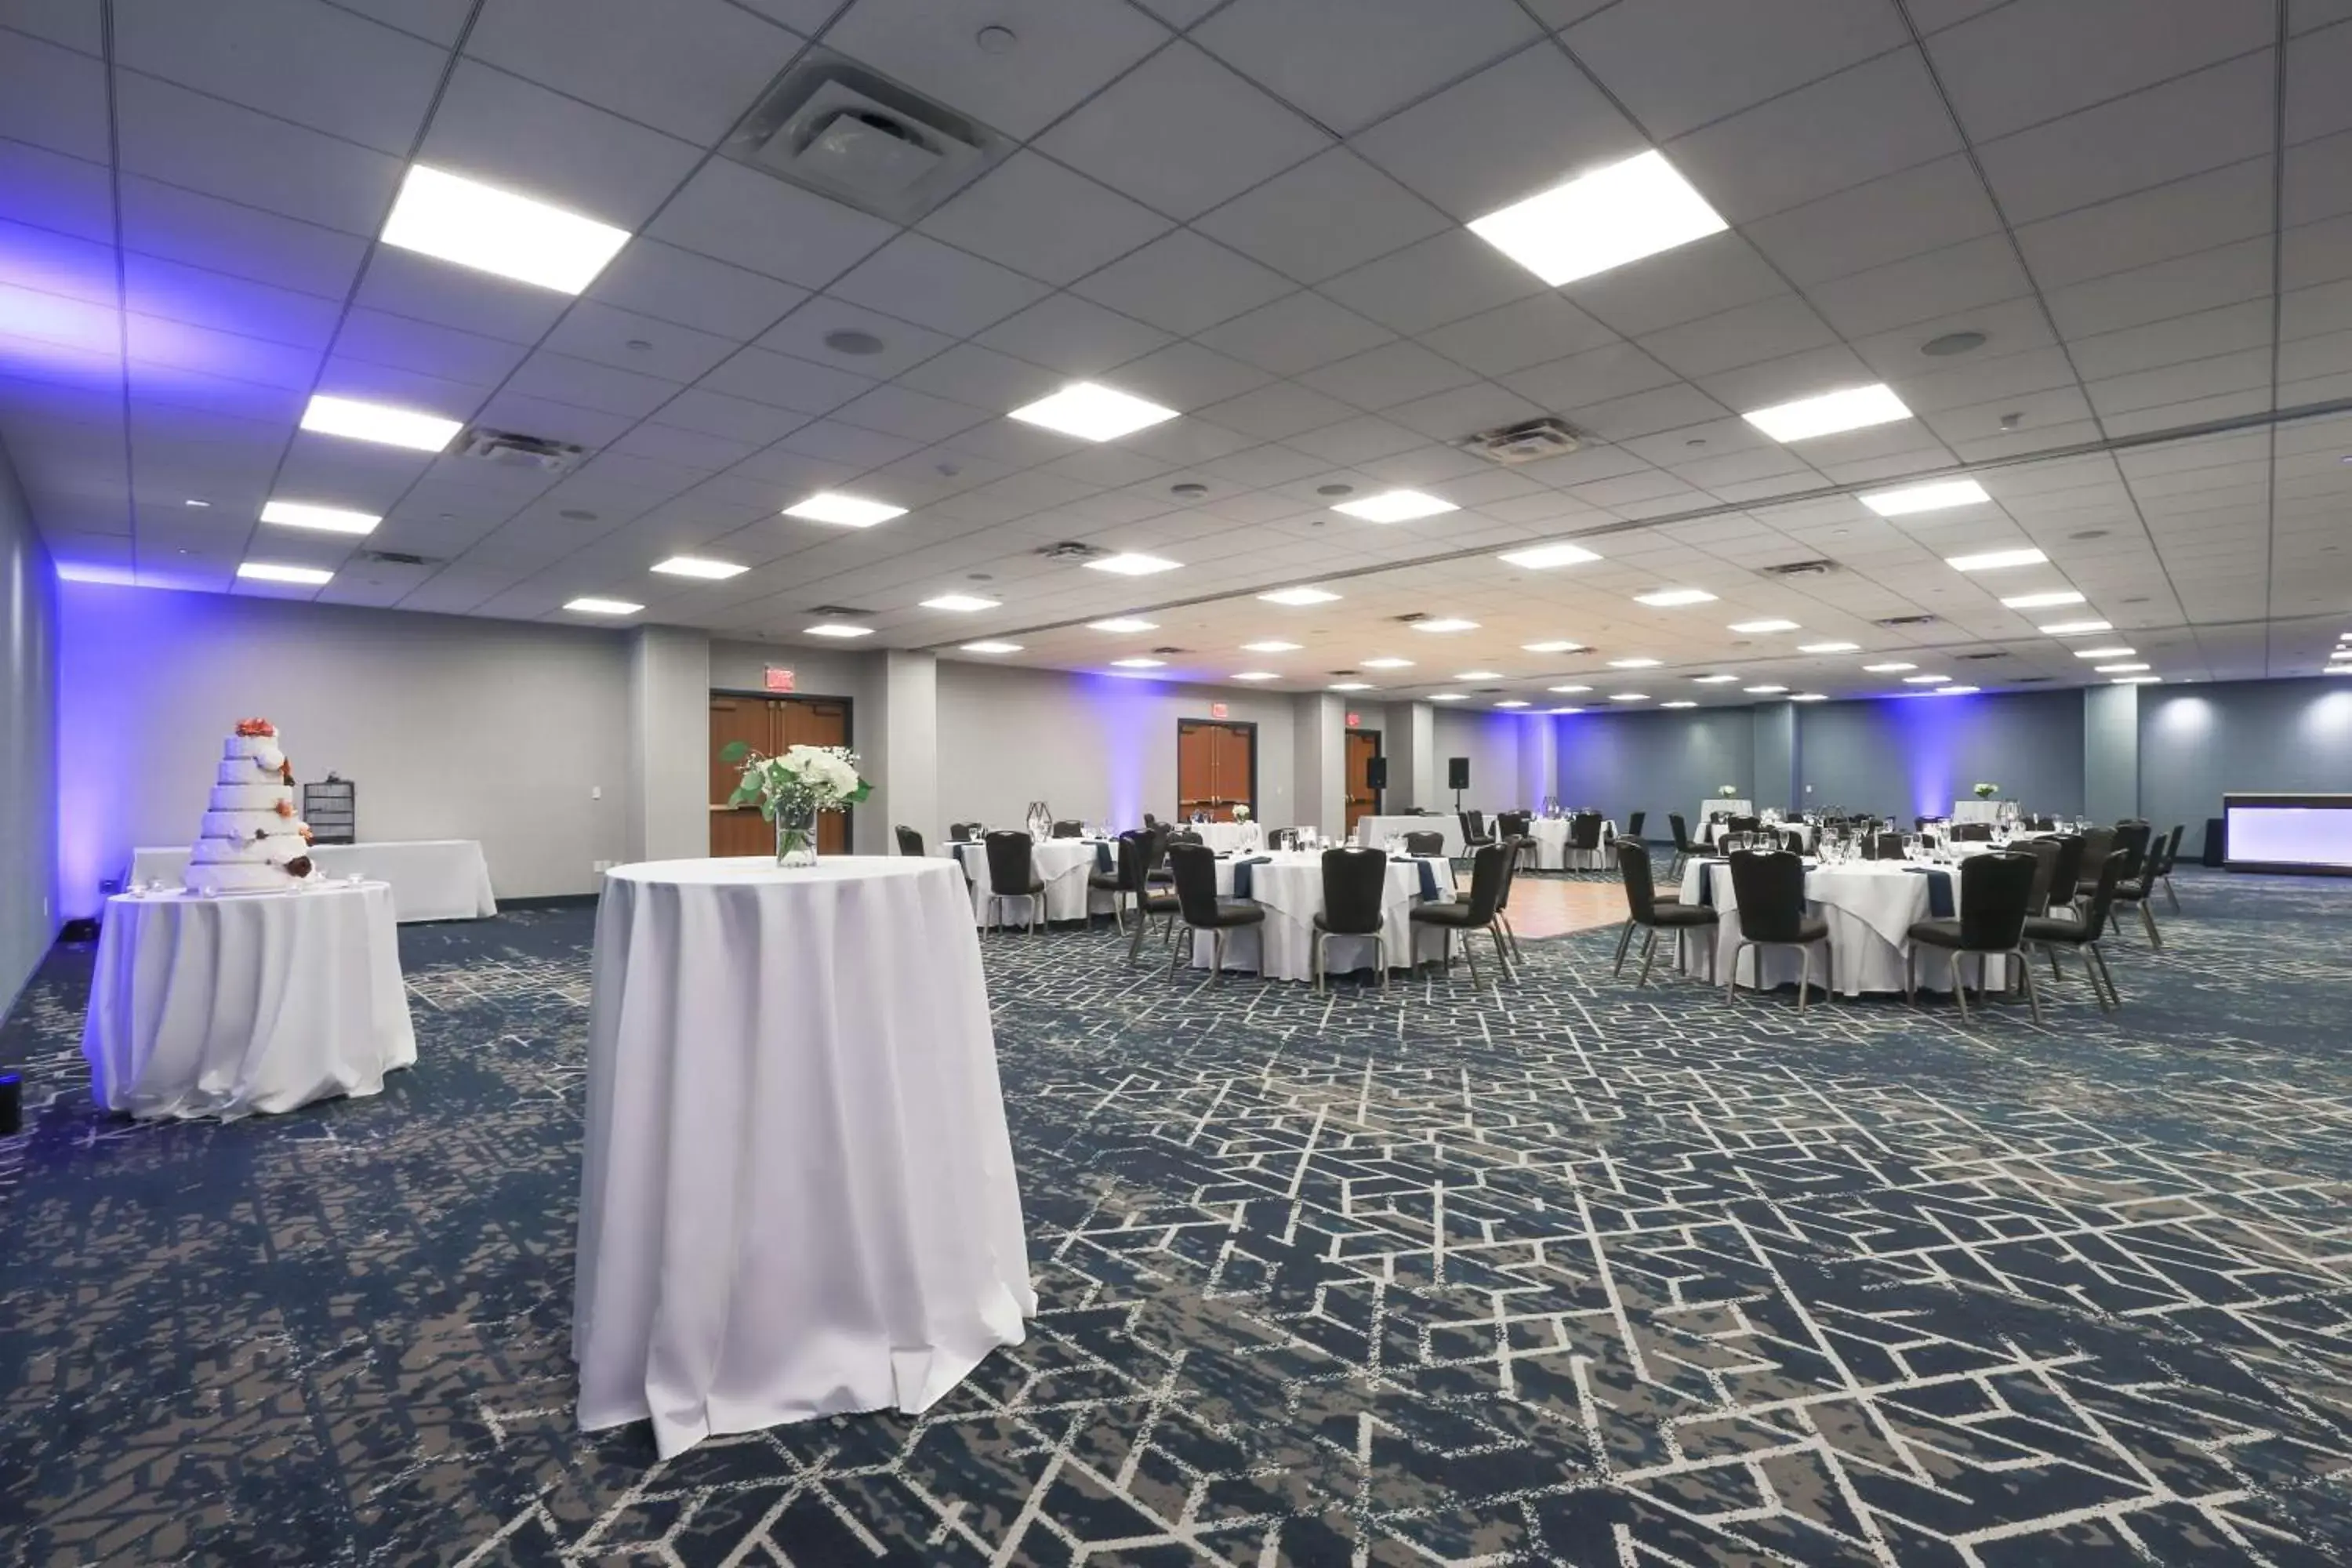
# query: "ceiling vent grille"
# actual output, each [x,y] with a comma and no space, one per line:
[1973,657]
[509,450]
[1069,550]
[1818,568]
[1530,441]
[1893,621]
[834,127]
[846,611]
[396,558]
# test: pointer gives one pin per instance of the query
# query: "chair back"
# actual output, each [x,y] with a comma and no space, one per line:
[1513,823]
[1640,884]
[1771,888]
[1355,889]
[2168,853]
[2045,853]
[2097,842]
[2103,897]
[1885,846]
[1011,859]
[1516,847]
[2133,838]
[1792,839]
[1490,864]
[1742,824]
[1972,833]
[1068,829]
[1682,832]
[1195,866]
[1996,895]
[2068,872]
[1584,830]
[1634,825]
[1135,853]
[910,841]
[1424,844]
[1474,825]
[1183,836]
[958,831]
[1149,820]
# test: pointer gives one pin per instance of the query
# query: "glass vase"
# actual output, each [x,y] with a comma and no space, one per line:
[795,836]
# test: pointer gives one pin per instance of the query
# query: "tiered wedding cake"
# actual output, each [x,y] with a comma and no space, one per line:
[252,836]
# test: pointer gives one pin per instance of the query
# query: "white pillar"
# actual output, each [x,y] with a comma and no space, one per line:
[669,743]
[1318,761]
[902,761]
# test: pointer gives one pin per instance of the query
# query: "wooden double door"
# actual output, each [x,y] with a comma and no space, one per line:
[1216,768]
[1363,800]
[768,725]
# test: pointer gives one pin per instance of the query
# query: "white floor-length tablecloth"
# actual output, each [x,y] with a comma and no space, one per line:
[1062,863]
[1376,830]
[1552,853]
[1979,810]
[1804,830]
[431,878]
[1709,806]
[1290,886]
[1869,905]
[797,1193]
[247,1001]
[1225,837]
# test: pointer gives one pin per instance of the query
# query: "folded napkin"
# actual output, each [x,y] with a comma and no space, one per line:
[1102,861]
[1244,879]
[1939,889]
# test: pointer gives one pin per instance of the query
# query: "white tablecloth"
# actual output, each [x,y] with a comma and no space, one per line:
[1375,830]
[1736,807]
[797,1193]
[431,878]
[1062,863]
[1978,810]
[1225,837]
[1870,906]
[245,1002]
[1804,830]
[1290,886]
[1552,853]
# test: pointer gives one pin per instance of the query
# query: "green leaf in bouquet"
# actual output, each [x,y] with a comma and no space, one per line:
[858,795]
[734,750]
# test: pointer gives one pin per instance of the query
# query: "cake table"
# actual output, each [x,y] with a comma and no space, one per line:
[797,1194]
[247,1002]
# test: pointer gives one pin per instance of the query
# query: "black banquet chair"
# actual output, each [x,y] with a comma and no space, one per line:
[1066,828]
[1769,886]
[1488,865]
[1138,852]
[1355,893]
[1648,911]
[1632,828]
[1996,900]
[1475,833]
[1195,865]
[1683,848]
[1515,824]
[1581,852]
[1424,844]
[1517,847]
[2137,887]
[2083,934]
[1013,874]
[910,841]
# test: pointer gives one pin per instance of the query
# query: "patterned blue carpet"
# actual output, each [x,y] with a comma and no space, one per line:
[1573,1274]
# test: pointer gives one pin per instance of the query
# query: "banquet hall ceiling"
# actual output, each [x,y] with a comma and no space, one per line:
[1253,212]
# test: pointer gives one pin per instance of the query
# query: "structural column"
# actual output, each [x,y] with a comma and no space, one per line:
[669,743]
[2110,753]
[900,753]
[1777,761]
[1411,745]
[1320,762]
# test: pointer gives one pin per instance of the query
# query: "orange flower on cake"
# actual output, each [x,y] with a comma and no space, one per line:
[284,809]
[256,727]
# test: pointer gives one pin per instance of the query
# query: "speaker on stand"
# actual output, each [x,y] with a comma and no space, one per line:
[1458,779]
[1375,773]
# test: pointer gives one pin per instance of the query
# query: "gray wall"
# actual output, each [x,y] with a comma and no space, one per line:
[1507,751]
[2198,742]
[1912,756]
[452,727]
[28,764]
[1656,761]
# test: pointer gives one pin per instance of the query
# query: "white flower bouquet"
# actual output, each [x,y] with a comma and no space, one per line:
[791,789]
[1728,792]
[1241,814]
[1986,791]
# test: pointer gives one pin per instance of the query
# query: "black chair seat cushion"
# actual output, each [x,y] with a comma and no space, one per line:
[1036,887]
[1321,923]
[2039,928]
[1809,929]
[1665,914]
[1937,933]
[1160,904]
[1233,912]
[1106,881]
[1457,914]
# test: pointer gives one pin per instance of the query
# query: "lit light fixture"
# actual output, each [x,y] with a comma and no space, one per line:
[1721,679]
[325,519]
[2133,669]
[1829,648]
[2076,629]
[992,648]
[1123,624]
[1299,596]
[696,566]
[2049,601]
[1763,690]
[1386,663]
[1956,691]
[1258,674]
[1510,702]
[1568,690]
[376,422]
[1446,624]
[1560,646]
[836,629]
[1848,408]
[2104,652]
[1995,560]
[1138,663]
[309,576]
[1894,668]
[1635,663]
[1445,697]
[960,602]
[1093,412]
[593,606]
[194,502]
[1758,628]
[1810,697]
[1669,598]
[1924,680]
[1629,696]
[849,511]
[2139,680]
[1679,702]
[1480,675]
[1603,219]
[1541,557]
[1133,565]
[1565,708]
[1349,686]
[1272,647]
[1395,506]
[478,226]
[1938,497]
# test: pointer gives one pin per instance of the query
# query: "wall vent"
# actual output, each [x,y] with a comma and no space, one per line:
[835,127]
[1530,441]
[1801,569]
[509,450]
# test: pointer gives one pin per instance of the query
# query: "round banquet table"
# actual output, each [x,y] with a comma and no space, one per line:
[247,1002]
[796,1193]
[1869,905]
[1552,853]
[1062,863]
[1226,838]
[1291,885]
[1804,830]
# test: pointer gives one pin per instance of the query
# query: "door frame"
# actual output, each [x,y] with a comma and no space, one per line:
[1248,724]
[1379,749]
[848,725]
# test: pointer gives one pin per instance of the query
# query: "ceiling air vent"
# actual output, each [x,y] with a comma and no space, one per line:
[843,611]
[2027,679]
[396,558]
[1906,621]
[509,450]
[838,129]
[1069,550]
[1172,651]
[1801,569]
[1971,658]
[1528,441]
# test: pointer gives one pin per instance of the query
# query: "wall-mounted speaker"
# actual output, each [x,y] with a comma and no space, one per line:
[1376,773]
[1457,773]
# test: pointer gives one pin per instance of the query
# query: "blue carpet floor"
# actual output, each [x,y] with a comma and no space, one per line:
[1570,1274]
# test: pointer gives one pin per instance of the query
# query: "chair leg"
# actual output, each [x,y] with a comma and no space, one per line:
[2148,918]
[1317,957]
[1502,954]
[1176,953]
[2051,949]
[1135,942]
[2033,996]
[1624,943]
[1381,955]
[2094,955]
[1217,956]
[1731,975]
[1469,956]
[2170,897]
[1649,952]
[1959,986]
[1804,974]
[1911,976]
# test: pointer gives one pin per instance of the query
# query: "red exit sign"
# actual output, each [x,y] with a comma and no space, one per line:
[1354,720]
[1216,710]
[779,679]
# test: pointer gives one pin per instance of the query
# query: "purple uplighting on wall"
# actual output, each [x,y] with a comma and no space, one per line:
[1127,720]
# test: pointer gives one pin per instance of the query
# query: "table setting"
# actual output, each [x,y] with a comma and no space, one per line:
[1289,885]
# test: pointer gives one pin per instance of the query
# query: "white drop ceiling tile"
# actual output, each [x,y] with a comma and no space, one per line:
[344,375]
[917,415]
[1868,120]
[1183,283]
[1067,51]
[1767,329]
[1187,377]
[1392,56]
[1595,375]
[2223,377]
[1071,335]
[2204,280]
[981,377]
[223,150]
[1356,441]
[1264,467]
[783,382]
[1440,280]
[404,344]
[2317,65]
[2194,214]
[1701,278]
[683,448]
[1918,210]
[563,379]
[1712,473]
[520,136]
[1296,333]
[403,283]
[1679,64]
[1183,134]
[513,410]
[1928,391]
[2318,181]
[1517,128]
[744,217]
[1328,214]
[1647,412]
[2315,253]
[2214,116]
[937,286]
[2309,312]
[2020,65]
[228,355]
[673,285]
[1283,409]
[1012,444]
[626,340]
[1517,336]
[1186,442]
[2313,359]
[2038,415]
[1036,216]
[53,98]
[689,67]
[57,193]
[783,475]
[1964,277]
[1783,380]
[2201,336]
[1392,374]
[1464,410]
